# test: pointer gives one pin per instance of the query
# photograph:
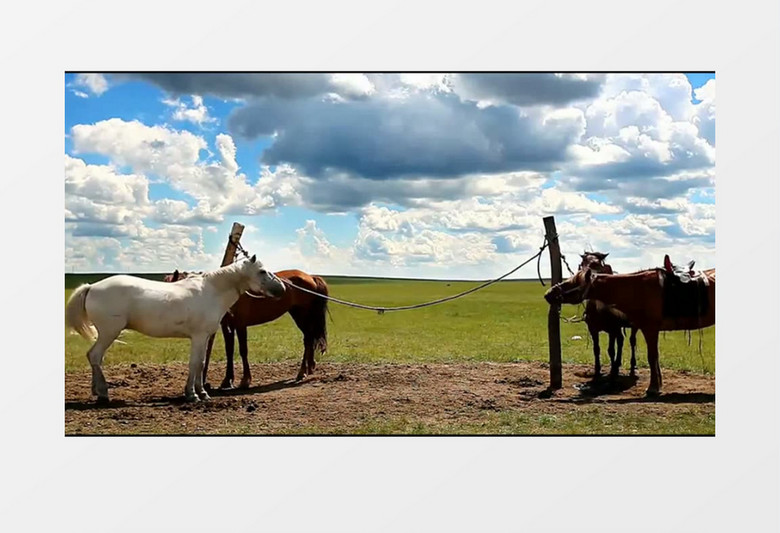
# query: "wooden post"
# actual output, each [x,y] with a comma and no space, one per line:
[230,249]
[230,254]
[553,316]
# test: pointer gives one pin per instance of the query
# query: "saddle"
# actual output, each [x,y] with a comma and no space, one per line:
[684,291]
[683,274]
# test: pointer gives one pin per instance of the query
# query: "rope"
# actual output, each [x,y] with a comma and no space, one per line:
[566,263]
[538,261]
[382,310]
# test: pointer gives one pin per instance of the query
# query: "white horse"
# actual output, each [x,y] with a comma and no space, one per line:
[190,308]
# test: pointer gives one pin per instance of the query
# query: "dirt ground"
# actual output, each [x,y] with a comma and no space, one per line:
[343,398]
[148,399]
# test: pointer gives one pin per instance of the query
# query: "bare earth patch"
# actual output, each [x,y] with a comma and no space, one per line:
[458,398]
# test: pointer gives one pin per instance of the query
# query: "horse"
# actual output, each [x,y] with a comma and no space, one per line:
[307,310]
[644,298]
[599,317]
[191,308]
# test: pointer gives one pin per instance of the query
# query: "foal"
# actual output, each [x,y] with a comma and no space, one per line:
[602,317]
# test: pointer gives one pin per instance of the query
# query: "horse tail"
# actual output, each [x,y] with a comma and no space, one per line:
[76,313]
[319,328]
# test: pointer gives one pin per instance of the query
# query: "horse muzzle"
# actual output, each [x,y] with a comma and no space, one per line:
[553,295]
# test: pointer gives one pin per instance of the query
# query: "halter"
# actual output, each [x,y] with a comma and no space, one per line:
[579,287]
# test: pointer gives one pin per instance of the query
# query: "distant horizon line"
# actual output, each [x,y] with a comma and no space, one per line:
[536,278]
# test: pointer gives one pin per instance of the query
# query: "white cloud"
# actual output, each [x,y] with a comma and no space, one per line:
[640,143]
[425,81]
[704,112]
[101,202]
[197,114]
[174,157]
[352,85]
[96,84]
[409,247]
[153,149]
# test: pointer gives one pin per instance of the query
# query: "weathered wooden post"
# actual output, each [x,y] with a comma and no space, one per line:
[230,250]
[553,316]
[230,254]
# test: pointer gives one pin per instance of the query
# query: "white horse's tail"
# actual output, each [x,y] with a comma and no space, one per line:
[76,313]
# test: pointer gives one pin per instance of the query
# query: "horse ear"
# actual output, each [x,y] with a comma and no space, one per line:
[604,256]
[176,275]
[253,259]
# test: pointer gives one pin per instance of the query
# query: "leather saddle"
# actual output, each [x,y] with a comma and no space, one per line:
[685,291]
[683,274]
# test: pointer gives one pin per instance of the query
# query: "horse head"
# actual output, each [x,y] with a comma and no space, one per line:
[595,261]
[573,290]
[261,281]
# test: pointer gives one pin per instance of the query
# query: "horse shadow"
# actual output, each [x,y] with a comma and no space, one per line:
[601,389]
[160,401]
[604,386]
[259,389]
[93,404]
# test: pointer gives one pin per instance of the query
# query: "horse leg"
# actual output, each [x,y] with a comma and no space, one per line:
[228,333]
[194,390]
[95,356]
[206,363]
[632,341]
[617,361]
[300,320]
[594,333]
[611,350]
[651,338]
[243,350]
[308,354]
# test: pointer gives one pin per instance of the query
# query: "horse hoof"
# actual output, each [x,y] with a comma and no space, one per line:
[191,399]
[207,386]
[652,393]
[204,396]
[227,385]
[102,401]
[244,384]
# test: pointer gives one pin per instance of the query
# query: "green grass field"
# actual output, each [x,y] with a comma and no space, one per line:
[503,323]
[506,322]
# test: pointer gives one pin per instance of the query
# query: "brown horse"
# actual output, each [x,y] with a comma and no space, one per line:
[307,310]
[653,300]
[600,317]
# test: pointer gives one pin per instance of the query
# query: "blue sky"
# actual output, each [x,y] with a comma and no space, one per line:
[424,175]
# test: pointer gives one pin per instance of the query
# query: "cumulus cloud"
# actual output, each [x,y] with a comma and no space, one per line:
[704,112]
[216,186]
[197,114]
[155,149]
[527,89]
[95,84]
[424,246]
[101,202]
[413,137]
[444,173]
[257,85]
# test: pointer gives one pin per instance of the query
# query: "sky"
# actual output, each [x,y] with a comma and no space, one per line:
[444,176]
